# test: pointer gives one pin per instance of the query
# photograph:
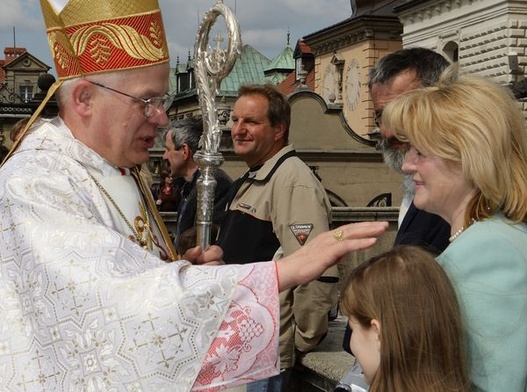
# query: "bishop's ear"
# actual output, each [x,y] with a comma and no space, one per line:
[81,97]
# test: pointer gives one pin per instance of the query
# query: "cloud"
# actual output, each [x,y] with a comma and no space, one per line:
[264,24]
[24,14]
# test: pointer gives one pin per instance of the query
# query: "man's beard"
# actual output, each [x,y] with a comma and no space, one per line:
[393,156]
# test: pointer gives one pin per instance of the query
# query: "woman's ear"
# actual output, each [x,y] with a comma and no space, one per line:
[376,326]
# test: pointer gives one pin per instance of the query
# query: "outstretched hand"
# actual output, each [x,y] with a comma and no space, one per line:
[211,256]
[325,250]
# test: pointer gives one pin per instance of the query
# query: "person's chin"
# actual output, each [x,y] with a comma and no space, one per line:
[420,203]
[239,149]
[391,165]
[369,377]
[141,157]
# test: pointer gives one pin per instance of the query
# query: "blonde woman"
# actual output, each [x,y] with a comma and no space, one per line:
[468,160]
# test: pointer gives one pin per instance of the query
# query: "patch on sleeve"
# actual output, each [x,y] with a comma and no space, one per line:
[301,231]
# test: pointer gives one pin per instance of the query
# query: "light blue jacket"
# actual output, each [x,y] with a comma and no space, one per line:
[488,266]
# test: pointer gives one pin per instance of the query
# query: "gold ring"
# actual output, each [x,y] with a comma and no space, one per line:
[338,235]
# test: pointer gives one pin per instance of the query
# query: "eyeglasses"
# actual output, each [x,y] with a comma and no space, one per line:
[151,104]
[377,117]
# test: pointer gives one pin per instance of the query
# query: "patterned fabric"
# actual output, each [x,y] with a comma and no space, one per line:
[88,37]
[85,308]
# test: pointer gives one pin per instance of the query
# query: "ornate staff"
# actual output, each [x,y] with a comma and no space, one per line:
[211,66]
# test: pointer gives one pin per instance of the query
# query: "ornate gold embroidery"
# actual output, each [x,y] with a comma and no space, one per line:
[141,231]
[77,12]
[122,37]
[94,36]
[59,44]
[142,226]
[101,51]
[156,33]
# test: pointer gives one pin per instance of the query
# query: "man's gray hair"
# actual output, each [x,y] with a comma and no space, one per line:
[427,65]
[63,94]
[187,131]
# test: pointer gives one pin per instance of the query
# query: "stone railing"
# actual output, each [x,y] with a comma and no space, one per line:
[343,215]
[170,219]
[322,369]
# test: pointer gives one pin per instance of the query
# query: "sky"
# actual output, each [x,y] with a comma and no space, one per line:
[264,24]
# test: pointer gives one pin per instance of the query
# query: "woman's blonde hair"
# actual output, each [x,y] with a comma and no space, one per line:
[422,343]
[474,122]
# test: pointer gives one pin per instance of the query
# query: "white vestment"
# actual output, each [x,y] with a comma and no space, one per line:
[84,308]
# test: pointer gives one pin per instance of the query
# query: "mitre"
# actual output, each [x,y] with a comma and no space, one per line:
[95,36]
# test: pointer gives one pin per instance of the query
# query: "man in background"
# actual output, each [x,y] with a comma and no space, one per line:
[276,208]
[181,143]
[393,75]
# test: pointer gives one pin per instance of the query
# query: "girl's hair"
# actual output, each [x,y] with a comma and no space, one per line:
[473,122]
[422,343]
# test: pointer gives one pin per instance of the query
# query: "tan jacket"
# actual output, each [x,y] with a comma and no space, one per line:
[296,204]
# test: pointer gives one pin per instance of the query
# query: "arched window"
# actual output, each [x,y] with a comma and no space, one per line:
[451,51]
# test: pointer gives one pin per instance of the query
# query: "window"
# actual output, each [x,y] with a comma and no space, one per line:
[26,93]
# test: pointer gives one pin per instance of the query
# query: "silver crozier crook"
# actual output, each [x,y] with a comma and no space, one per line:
[211,66]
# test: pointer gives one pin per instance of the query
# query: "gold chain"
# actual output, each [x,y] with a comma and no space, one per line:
[135,236]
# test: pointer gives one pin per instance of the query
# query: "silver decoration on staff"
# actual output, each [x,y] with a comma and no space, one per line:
[211,67]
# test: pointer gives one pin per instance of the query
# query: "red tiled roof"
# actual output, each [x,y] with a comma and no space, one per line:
[2,71]
[289,85]
[304,48]
[11,53]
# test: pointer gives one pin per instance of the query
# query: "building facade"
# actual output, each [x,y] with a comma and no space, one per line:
[20,73]
[486,37]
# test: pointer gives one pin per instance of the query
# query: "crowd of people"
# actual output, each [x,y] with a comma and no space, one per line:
[97,295]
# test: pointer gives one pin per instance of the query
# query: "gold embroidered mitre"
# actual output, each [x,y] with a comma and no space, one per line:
[94,36]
